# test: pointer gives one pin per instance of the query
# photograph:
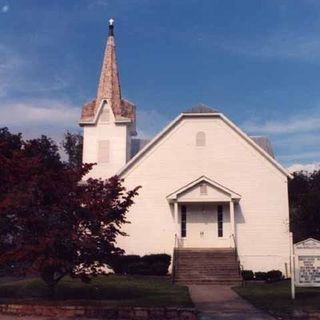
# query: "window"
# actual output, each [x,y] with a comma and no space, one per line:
[183,221]
[105,115]
[220,221]
[103,151]
[203,188]
[200,139]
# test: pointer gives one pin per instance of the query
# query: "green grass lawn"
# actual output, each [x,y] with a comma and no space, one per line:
[276,297]
[109,290]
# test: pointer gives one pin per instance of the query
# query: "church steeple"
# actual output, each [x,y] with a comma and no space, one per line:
[109,90]
[109,84]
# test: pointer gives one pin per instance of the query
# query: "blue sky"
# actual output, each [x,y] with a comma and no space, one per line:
[256,61]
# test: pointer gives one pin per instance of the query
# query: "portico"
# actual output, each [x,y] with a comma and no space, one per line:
[204,214]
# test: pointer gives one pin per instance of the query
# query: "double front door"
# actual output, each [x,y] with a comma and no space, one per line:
[204,225]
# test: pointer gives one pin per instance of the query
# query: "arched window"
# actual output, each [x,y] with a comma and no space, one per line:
[200,139]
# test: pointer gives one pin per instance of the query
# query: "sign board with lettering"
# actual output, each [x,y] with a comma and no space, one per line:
[307,263]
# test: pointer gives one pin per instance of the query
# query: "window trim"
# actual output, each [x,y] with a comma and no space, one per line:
[183,228]
[220,221]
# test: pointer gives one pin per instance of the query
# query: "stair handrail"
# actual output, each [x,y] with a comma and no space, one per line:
[236,253]
[174,257]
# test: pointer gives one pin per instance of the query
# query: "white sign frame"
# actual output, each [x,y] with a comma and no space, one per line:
[305,264]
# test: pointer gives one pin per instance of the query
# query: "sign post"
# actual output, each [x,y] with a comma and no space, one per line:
[293,291]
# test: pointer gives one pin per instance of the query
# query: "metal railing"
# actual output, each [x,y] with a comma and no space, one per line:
[236,253]
[174,257]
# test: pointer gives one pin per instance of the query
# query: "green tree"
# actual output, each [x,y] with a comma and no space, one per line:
[304,199]
[72,145]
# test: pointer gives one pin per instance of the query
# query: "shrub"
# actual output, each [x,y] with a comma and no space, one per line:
[247,274]
[262,276]
[152,264]
[274,275]
[159,268]
[120,264]
[155,258]
[139,268]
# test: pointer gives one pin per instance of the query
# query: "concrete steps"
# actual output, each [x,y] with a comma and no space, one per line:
[206,266]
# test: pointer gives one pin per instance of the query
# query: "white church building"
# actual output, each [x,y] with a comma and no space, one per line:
[207,188]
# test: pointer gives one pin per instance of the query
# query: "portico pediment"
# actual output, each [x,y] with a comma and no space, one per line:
[203,189]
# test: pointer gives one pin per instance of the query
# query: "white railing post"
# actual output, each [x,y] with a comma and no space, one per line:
[176,218]
[231,210]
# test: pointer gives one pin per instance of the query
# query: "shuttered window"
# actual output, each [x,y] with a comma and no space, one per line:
[220,221]
[103,151]
[200,139]
[183,221]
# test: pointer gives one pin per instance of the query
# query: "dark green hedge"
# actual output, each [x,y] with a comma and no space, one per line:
[261,276]
[274,275]
[247,275]
[270,276]
[152,264]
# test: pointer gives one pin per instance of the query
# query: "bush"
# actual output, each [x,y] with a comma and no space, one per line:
[153,264]
[155,258]
[261,276]
[121,264]
[159,268]
[274,275]
[247,274]
[139,268]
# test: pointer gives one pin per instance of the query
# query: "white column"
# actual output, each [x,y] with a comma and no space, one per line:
[176,220]
[232,229]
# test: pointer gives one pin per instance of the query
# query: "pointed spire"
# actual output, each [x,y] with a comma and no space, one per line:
[109,84]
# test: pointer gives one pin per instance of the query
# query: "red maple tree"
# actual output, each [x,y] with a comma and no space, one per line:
[51,222]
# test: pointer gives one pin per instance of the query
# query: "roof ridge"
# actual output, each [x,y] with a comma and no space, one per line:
[201,108]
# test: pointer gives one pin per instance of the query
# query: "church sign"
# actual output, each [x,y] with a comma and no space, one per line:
[306,264]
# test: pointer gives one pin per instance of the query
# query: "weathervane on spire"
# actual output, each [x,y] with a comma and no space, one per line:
[111,26]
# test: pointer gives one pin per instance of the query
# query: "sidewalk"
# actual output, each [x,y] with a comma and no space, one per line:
[221,302]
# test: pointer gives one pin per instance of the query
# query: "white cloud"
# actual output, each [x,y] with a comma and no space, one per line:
[39,113]
[300,123]
[24,74]
[5,8]
[300,156]
[10,65]
[296,139]
[309,167]
[283,45]
[36,118]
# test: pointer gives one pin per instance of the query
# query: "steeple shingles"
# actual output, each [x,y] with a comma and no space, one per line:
[109,87]
[109,84]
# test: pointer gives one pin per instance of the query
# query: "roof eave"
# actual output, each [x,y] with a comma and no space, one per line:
[175,195]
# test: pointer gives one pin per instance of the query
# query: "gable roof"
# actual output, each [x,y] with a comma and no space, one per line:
[201,108]
[264,143]
[171,125]
[309,243]
[175,194]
